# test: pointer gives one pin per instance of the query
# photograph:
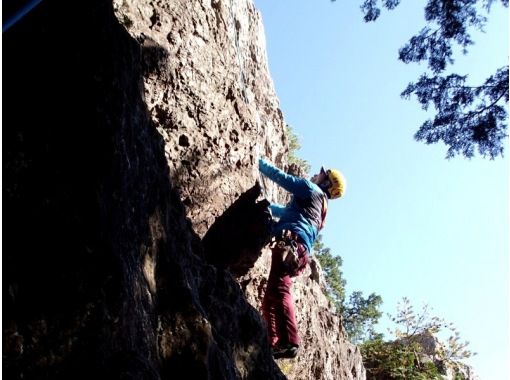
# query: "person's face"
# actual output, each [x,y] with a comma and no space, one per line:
[320,177]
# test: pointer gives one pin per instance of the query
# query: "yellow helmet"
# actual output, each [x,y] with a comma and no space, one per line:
[338,184]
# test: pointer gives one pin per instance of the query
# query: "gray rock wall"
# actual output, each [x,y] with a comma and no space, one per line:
[121,148]
[104,276]
[212,99]
[210,95]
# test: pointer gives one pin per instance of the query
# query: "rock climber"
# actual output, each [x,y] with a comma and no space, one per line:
[293,234]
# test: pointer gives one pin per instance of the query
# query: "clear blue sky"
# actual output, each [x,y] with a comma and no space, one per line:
[412,223]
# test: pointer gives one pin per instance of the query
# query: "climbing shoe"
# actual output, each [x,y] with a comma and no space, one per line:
[288,352]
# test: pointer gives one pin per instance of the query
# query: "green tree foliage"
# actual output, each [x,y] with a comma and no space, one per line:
[332,269]
[360,315]
[395,360]
[293,159]
[467,118]
[417,353]
[411,326]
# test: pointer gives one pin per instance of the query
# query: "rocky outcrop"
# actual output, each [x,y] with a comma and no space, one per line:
[209,93]
[216,61]
[236,239]
[105,273]
[433,351]
[121,150]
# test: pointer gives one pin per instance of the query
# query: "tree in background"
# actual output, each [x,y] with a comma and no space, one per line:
[292,158]
[467,117]
[417,353]
[332,270]
[359,314]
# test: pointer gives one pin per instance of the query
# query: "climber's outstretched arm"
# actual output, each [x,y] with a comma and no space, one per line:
[294,185]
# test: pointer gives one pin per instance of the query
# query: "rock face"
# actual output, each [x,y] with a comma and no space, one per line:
[449,370]
[209,93]
[237,237]
[122,148]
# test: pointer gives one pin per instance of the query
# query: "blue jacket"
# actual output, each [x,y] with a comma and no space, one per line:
[304,213]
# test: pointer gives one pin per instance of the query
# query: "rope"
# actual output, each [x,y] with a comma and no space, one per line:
[20,14]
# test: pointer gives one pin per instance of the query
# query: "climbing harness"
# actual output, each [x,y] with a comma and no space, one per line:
[287,243]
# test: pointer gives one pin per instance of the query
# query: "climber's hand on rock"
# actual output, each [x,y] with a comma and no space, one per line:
[295,169]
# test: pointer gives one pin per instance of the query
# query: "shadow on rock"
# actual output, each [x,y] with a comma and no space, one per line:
[236,238]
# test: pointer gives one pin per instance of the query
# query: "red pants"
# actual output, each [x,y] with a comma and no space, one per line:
[278,303]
